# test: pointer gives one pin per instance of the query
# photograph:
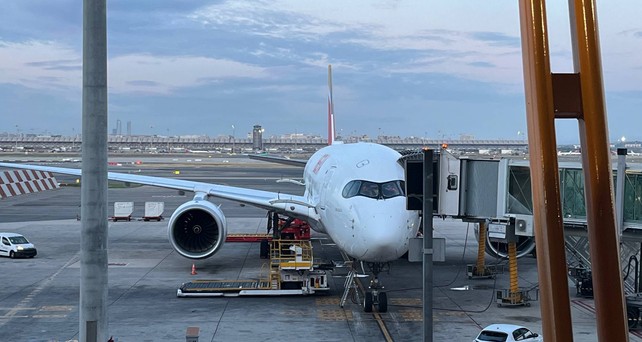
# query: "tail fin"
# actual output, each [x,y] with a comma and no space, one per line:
[331,131]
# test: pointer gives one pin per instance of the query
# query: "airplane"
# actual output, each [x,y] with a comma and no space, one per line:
[568,153]
[354,193]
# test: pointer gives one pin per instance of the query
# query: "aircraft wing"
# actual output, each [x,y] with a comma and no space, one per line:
[268,200]
[278,159]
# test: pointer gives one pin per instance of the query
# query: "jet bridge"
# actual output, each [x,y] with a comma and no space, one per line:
[500,190]
[493,191]
[496,193]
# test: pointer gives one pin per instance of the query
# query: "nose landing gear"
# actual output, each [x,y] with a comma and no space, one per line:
[374,295]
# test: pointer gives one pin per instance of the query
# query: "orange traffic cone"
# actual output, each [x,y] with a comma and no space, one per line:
[194,269]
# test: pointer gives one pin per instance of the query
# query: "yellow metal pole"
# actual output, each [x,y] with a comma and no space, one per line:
[596,160]
[512,268]
[547,215]
[481,250]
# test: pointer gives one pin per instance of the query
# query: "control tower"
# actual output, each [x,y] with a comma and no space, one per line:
[257,138]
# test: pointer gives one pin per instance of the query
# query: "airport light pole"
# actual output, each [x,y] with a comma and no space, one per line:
[151,137]
[428,179]
[233,138]
[93,320]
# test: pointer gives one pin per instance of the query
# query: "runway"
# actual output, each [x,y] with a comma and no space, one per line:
[40,296]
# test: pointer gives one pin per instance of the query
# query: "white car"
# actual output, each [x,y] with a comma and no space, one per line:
[507,333]
[15,245]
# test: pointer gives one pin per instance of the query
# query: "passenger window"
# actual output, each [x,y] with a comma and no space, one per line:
[5,241]
[519,334]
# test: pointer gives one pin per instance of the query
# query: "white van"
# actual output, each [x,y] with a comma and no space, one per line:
[15,245]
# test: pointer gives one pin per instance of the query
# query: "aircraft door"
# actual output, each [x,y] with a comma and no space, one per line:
[326,192]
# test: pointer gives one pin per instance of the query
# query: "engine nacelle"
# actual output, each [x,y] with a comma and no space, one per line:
[197,229]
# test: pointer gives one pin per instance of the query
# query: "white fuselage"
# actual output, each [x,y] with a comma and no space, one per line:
[372,229]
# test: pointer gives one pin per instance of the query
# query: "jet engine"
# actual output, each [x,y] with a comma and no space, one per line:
[197,229]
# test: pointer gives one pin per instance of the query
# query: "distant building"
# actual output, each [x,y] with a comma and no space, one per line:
[257,138]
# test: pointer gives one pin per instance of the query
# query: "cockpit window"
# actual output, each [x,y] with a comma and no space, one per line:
[369,189]
[374,190]
[351,189]
[391,189]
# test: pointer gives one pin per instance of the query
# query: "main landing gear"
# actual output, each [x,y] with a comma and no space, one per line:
[374,295]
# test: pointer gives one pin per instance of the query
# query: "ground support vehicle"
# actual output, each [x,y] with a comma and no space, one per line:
[123,211]
[15,246]
[507,333]
[154,211]
[291,271]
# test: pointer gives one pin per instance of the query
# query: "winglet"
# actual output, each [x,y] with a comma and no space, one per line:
[331,131]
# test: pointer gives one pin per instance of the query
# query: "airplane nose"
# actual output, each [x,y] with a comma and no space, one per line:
[386,236]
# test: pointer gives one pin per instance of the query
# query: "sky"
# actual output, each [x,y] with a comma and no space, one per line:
[424,68]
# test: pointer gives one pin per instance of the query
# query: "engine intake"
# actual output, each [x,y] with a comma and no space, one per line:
[197,229]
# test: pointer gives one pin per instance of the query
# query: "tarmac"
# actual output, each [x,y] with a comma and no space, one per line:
[39,297]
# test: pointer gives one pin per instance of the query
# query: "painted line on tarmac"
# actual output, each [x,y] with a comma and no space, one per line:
[380,322]
[26,301]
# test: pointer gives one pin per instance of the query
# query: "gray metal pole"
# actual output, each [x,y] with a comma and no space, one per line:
[619,188]
[428,252]
[93,236]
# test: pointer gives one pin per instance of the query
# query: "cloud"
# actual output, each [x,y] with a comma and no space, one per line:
[64,65]
[462,38]
[143,83]
[164,74]
[270,19]
[49,65]
[368,21]
[40,64]
[380,26]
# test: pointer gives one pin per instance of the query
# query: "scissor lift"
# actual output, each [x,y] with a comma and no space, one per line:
[292,269]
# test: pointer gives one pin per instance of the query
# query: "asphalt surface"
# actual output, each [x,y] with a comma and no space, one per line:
[39,296]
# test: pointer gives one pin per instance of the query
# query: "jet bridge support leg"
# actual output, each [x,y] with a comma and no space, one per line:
[512,268]
[513,296]
[481,251]
[480,270]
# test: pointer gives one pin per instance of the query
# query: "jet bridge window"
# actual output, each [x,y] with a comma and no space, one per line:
[374,190]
